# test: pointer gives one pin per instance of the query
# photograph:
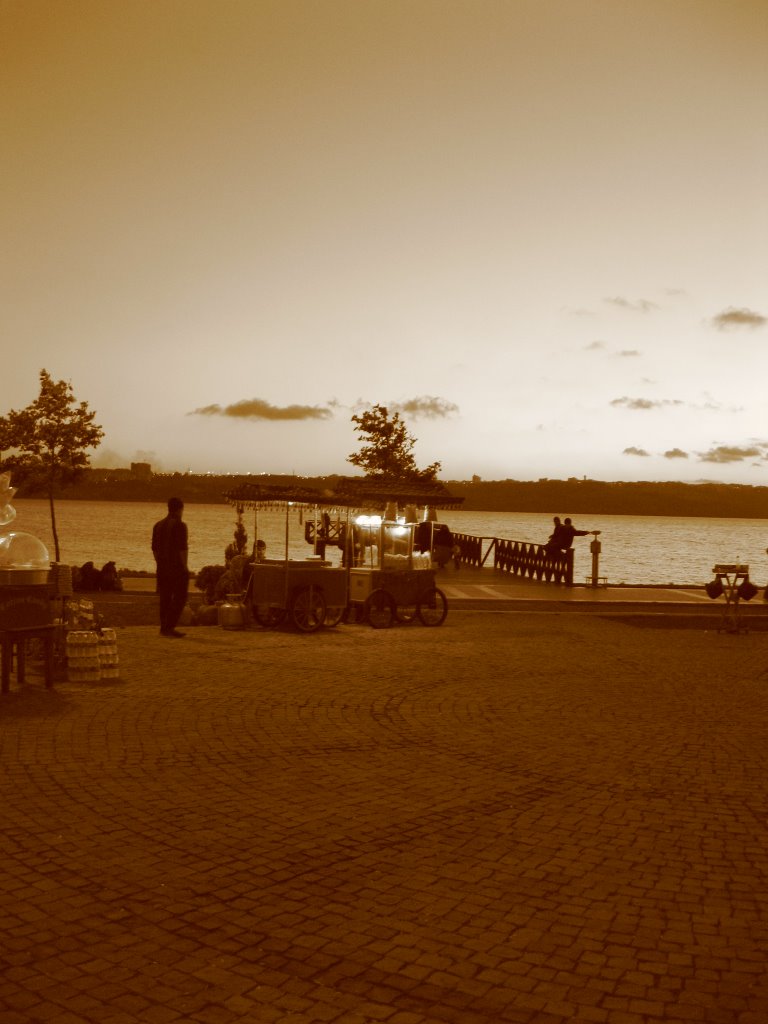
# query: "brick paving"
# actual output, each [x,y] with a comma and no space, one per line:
[513,818]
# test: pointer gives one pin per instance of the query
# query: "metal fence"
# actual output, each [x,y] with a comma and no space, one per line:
[517,557]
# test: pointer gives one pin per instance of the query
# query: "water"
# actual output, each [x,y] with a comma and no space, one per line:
[635,549]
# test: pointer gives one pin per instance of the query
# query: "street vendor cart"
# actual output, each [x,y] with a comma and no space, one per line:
[382,571]
[311,592]
[390,581]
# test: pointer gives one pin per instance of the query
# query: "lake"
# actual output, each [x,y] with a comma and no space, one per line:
[635,549]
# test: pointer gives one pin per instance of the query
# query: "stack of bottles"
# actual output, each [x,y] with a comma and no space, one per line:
[83,665]
[108,659]
[92,656]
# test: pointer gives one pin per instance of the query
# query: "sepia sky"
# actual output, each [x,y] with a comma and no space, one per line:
[537,228]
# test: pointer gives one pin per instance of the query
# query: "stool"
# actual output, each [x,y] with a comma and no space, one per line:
[18,637]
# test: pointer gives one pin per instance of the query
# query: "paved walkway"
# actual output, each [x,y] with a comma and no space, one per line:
[489,585]
[519,818]
[471,587]
[470,583]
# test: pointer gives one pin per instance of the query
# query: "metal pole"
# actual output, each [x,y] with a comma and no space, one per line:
[595,547]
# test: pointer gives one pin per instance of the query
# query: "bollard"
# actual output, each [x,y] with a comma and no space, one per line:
[595,547]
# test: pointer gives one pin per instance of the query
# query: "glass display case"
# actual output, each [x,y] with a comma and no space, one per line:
[23,559]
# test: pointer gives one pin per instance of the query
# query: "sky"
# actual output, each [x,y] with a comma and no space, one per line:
[538,229]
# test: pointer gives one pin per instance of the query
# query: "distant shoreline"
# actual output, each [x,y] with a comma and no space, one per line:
[575,496]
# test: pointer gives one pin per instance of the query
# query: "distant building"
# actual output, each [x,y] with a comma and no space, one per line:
[143,470]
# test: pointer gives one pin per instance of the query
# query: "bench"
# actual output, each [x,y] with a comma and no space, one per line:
[597,581]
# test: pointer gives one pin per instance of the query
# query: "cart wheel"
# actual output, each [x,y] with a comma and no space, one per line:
[406,612]
[308,609]
[334,615]
[433,607]
[380,609]
[268,616]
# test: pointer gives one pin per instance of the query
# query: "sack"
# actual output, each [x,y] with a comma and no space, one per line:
[714,588]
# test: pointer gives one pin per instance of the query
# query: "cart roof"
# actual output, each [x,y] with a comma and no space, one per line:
[345,492]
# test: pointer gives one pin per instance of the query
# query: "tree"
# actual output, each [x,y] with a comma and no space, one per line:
[5,437]
[51,438]
[389,448]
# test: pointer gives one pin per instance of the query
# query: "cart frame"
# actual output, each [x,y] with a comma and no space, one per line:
[381,580]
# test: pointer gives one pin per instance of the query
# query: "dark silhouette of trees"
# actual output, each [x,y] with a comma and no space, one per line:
[568,497]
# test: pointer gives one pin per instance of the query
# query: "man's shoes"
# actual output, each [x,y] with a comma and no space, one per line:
[172,632]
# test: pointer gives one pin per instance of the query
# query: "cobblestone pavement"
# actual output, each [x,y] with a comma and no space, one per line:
[512,818]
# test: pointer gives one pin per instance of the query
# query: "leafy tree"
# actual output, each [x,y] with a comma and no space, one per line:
[51,438]
[388,450]
[5,442]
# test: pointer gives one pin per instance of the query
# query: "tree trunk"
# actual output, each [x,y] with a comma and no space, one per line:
[53,524]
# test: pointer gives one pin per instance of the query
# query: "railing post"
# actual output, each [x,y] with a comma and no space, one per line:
[569,568]
[491,547]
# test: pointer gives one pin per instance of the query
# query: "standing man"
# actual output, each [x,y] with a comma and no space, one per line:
[567,534]
[554,545]
[169,546]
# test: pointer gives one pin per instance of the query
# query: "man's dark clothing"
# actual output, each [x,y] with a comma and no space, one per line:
[169,546]
[567,532]
[558,540]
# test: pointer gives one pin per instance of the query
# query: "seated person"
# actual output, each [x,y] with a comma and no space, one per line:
[442,546]
[109,577]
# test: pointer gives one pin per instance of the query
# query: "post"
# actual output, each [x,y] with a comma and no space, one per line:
[595,547]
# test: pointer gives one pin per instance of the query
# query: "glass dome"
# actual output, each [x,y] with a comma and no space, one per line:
[23,551]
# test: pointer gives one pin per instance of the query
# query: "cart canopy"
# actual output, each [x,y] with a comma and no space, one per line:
[363,493]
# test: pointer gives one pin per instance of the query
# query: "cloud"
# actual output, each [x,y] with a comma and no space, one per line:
[724,453]
[258,409]
[645,403]
[427,407]
[601,346]
[675,453]
[641,306]
[636,451]
[738,318]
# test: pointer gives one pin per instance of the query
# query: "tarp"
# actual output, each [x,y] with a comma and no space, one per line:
[354,492]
